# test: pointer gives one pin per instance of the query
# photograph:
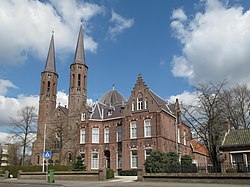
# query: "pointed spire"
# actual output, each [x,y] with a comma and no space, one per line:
[50,63]
[79,53]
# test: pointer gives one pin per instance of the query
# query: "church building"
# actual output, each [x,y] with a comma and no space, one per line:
[114,133]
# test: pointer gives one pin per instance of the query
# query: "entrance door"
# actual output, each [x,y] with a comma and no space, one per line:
[107,155]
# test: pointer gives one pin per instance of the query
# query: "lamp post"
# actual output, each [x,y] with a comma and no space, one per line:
[44,142]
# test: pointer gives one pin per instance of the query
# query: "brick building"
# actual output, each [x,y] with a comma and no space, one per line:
[115,132]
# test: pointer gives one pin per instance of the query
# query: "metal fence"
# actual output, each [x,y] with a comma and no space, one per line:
[223,168]
[207,168]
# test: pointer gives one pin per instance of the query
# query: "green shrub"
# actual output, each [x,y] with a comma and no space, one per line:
[15,168]
[231,170]
[78,165]
[186,160]
[160,162]
[109,173]
[132,172]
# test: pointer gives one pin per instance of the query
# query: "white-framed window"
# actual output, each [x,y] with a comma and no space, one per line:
[133,106]
[148,152]
[146,103]
[106,135]
[119,160]
[133,130]
[139,103]
[147,128]
[178,136]
[94,161]
[82,135]
[184,138]
[134,159]
[95,135]
[119,133]
[83,116]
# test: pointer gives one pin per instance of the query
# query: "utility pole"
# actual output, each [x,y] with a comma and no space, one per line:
[177,121]
[44,142]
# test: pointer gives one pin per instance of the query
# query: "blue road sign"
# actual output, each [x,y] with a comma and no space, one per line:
[47,154]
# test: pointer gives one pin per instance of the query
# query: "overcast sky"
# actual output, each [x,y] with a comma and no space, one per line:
[174,44]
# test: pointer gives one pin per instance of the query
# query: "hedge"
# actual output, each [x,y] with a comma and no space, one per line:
[15,168]
[132,172]
[109,173]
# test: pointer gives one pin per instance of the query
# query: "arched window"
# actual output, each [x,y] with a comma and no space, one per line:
[73,80]
[139,102]
[146,103]
[37,159]
[69,157]
[48,88]
[79,80]
[133,105]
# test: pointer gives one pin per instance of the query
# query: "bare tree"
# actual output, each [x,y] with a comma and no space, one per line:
[24,128]
[14,154]
[205,118]
[60,134]
[237,106]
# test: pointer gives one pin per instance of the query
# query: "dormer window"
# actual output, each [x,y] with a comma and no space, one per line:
[109,112]
[139,103]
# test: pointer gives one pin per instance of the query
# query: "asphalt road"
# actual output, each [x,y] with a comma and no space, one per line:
[117,182]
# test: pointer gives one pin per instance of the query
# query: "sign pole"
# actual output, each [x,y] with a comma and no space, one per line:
[44,138]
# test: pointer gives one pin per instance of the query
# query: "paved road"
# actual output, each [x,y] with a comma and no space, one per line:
[117,182]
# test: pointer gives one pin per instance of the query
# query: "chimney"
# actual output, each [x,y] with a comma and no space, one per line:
[226,127]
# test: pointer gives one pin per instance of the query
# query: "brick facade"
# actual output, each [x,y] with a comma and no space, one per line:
[143,123]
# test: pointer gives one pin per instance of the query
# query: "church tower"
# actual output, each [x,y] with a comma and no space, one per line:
[48,89]
[78,80]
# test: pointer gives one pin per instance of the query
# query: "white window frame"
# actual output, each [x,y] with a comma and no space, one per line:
[146,104]
[106,135]
[184,138]
[147,128]
[178,135]
[95,135]
[133,130]
[133,159]
[119,137]
[119,161]
[94,161]
[139,103]
[82,135]
[145,152]
[133,106]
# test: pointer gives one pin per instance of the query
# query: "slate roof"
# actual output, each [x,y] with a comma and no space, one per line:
[109,106]
[239,137]
[79,52]
[112,98]
[161,102]
[50,62]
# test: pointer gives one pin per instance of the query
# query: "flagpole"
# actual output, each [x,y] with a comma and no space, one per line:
[44,138]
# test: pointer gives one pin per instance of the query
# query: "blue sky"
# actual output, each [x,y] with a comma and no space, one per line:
[174,44]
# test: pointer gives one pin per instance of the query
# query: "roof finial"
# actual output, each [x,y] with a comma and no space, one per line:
[139,75]
[113,88]
[53,31]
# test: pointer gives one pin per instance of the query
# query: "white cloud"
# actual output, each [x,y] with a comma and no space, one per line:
[62,98]
[25,27]
[215,44]
[188,98]
[4,85]
[120,24]
[179,14]
[10,106]
[4,137]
